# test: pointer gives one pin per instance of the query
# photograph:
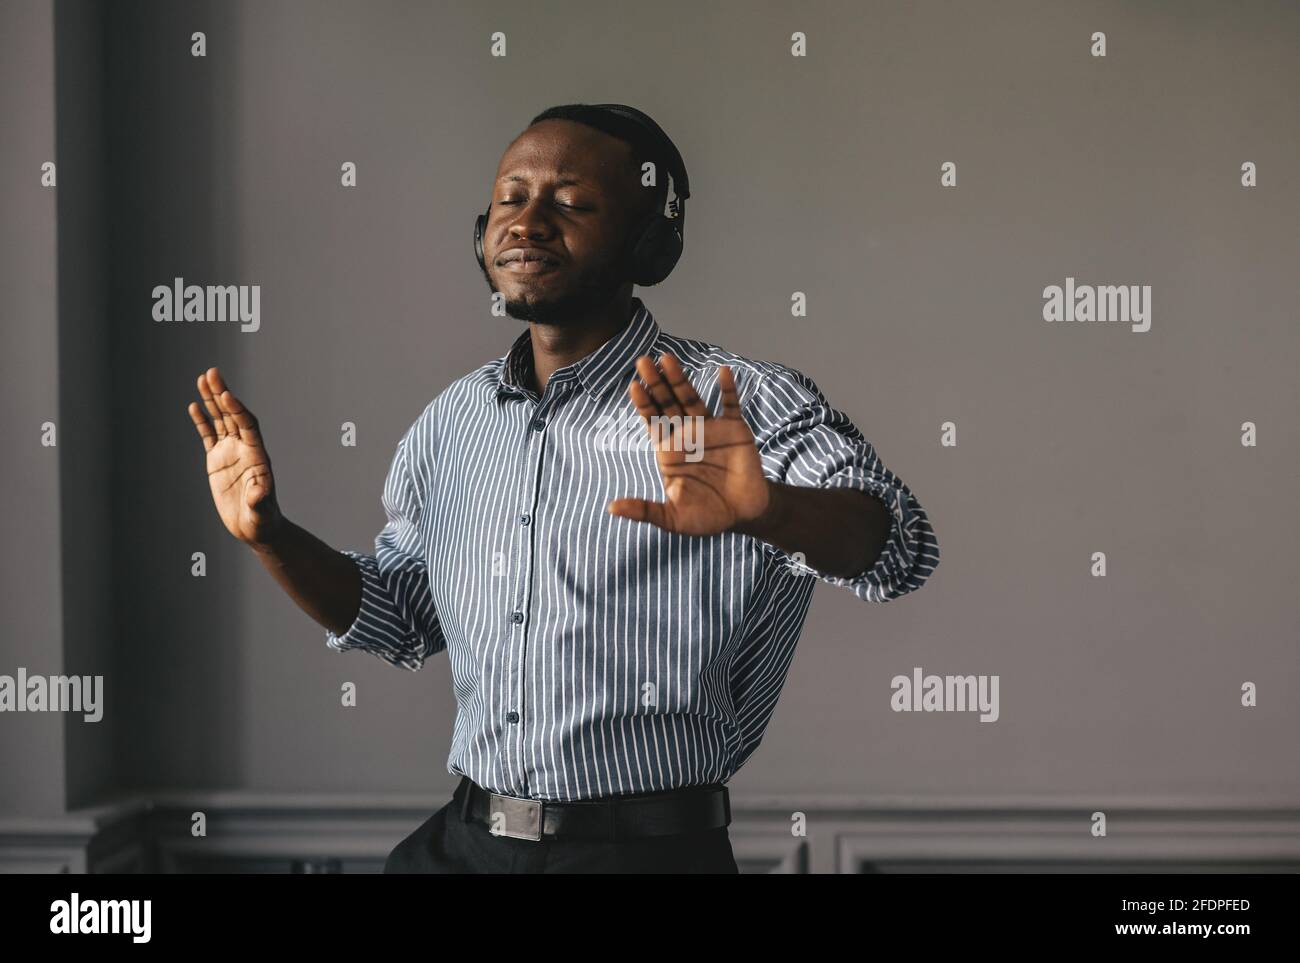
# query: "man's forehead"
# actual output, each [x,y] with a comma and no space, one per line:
[565,149]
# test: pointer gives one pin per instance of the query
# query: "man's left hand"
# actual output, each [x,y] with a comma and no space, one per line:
[713,476]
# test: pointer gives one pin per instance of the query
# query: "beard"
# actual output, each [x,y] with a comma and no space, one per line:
[584,296]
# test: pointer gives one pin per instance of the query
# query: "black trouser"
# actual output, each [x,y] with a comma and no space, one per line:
[447,843]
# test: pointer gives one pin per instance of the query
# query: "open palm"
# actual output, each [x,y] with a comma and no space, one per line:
[239,469]
[713,476]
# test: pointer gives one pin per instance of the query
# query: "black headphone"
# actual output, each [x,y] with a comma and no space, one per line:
[657,242]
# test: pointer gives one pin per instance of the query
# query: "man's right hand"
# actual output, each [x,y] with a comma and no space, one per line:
[239,469]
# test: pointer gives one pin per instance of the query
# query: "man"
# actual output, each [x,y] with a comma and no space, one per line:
[614,532]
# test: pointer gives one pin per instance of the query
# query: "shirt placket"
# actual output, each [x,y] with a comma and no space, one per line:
[522,595]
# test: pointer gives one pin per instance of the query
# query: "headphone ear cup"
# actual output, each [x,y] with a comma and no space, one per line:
[656,251]
[480,228]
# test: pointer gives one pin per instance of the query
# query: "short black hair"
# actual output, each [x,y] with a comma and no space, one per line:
[645,146]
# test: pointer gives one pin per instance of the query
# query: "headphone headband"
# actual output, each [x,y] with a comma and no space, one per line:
[677,167]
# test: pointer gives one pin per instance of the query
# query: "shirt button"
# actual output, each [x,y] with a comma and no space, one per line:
[516,616]
[512,717]
[539,424]
[523,519]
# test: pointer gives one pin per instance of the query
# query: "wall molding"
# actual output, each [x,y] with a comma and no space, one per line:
[269,832]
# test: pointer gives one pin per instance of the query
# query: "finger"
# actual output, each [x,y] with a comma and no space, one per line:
[730,400]
[219,393]
[640,510]
[227,419]
[658,388]
[203,425]
[681,387]
[646,407]
[205,391]
[245,420]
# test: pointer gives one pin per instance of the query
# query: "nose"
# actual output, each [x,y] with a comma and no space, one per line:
[529,223]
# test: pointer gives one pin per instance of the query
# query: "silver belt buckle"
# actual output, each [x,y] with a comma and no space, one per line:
[514,817]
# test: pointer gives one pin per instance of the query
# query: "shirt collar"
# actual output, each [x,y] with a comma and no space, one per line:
[612,362]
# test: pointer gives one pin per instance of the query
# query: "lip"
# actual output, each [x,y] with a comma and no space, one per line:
[528,260]
[522,266]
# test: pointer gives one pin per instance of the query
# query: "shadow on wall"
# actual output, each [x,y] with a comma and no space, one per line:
[170,122]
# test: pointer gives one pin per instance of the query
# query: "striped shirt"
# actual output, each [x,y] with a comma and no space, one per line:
[592,655]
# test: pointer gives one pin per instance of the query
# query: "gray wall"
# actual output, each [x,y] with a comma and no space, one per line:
[55,340]
[819,175]
[31,744]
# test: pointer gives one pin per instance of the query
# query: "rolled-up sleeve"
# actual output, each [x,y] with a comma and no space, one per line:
[397,621]
[803,440]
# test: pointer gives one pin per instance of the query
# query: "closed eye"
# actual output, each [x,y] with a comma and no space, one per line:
[571,207]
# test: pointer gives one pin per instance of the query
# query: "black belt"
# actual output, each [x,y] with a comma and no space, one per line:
[692,809]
